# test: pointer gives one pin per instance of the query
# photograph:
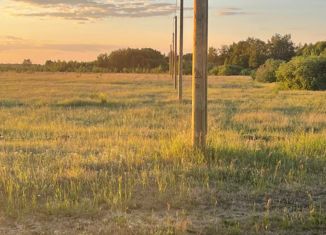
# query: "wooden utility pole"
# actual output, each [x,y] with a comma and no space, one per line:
[173,57]
[181,52]
[170,60]
[199,74]
[175,51]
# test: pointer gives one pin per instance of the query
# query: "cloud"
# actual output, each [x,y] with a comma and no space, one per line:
[10,38]
[86,10]
[232,11]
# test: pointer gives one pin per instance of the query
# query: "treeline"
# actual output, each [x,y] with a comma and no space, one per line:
[276,60]
[129,60]
[238,58]
[244,57]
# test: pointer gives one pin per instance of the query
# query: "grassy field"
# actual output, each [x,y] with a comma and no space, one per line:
[111,154]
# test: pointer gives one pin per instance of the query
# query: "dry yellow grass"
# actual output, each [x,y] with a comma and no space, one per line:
[110,154]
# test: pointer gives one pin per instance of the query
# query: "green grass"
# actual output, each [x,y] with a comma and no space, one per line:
[111,154]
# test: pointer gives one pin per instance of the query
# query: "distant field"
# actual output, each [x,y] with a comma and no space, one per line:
[111,154]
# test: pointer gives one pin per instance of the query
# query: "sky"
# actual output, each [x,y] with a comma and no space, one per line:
[82,29]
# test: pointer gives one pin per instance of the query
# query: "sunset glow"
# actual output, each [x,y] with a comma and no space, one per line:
[80,29]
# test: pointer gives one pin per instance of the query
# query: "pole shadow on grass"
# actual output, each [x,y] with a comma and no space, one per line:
[89,103]
[11,104]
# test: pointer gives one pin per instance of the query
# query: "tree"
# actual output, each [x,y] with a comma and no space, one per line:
[250,53]
[281,47]
[140,60]
[258,52]
[187,63]
[103,61]
[316,49]
[212,57]
[223,53]
[27,62]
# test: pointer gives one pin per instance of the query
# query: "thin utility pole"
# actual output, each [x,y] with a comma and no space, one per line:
[175,51]
[170,60]
[173,57]
[199,74]
[181,52]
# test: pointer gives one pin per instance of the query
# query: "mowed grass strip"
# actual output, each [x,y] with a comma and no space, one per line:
[117,146]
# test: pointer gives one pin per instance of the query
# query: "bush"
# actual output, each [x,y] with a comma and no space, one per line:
[158,69]
[229,70]
[307,73]
[214,71]
[267,71]
[226,70]
[246,72]
[323,53]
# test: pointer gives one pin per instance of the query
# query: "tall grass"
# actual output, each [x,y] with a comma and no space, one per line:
[119,145]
